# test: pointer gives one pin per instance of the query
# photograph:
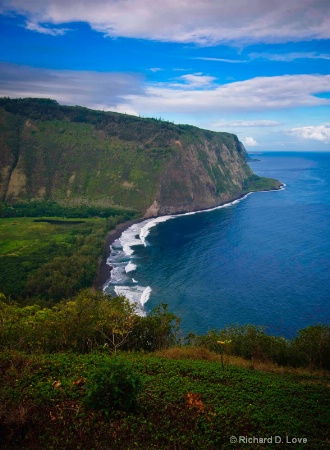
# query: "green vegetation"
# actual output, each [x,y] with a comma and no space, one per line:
[311,347]
[112,387]
[77,157]
[48,261]
[51,258]
[91,320]
[52,209]
[86,322]
[255,183]
[64,384]
[182,404]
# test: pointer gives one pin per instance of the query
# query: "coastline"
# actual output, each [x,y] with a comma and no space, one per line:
[104,270]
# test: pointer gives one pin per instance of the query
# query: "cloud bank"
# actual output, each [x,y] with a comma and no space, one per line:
[316,133]
[204,22]
[190,93]
[255,94]
[95,90]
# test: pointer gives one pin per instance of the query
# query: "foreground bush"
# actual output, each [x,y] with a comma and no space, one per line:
[113,387]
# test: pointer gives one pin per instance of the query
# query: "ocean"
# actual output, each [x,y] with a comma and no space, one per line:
[262,260]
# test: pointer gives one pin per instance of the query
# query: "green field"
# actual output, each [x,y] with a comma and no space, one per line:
[23,236]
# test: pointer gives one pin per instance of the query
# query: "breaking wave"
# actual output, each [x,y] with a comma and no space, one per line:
[124,261]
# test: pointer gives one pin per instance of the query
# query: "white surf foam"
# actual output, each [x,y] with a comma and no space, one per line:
[145,230]
[145,295]
[130,238]
[133,294]
[130,267]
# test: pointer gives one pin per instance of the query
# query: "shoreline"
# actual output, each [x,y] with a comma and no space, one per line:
[104,270]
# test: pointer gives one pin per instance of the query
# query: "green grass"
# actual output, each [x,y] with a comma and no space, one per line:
[183,405]
[22,236]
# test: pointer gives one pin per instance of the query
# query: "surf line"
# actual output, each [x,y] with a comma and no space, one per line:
[124,264]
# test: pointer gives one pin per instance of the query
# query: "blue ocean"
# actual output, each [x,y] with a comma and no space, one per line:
[262,260]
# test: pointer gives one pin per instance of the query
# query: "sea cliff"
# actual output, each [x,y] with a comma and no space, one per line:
[75,156]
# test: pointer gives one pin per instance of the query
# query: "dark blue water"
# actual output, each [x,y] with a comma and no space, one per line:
[264,260]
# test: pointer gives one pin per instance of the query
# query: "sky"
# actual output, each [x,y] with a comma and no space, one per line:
[256,68]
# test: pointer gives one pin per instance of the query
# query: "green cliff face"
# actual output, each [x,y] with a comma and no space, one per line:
[74,155]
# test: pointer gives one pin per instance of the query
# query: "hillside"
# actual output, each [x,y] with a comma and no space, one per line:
[182,405]
[77,156]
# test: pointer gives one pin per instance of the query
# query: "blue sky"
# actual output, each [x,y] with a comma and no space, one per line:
[257,68]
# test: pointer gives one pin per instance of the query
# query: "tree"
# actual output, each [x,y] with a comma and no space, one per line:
[156,331]
[312,347]
[116,320]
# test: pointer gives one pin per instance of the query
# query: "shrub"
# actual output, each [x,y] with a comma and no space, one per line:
[247,341]
[157,331]
[113,387]
[311,347]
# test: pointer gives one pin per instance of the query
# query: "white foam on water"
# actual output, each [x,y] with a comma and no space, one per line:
[130,267]
[133,294]
[145,230]
[145,295]
[130,238]
[116,275]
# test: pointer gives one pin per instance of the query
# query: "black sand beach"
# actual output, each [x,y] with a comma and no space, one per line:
[103,273]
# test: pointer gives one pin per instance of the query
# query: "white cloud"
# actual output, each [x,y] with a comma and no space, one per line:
[120,108]
[155,69]
[45,30]
[287,57]
[196,80]
[199,21]
[232,61]
[256,94]
[246,123]
[250,142]
[317,133]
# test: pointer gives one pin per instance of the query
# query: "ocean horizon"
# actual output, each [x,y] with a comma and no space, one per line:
[261,260]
